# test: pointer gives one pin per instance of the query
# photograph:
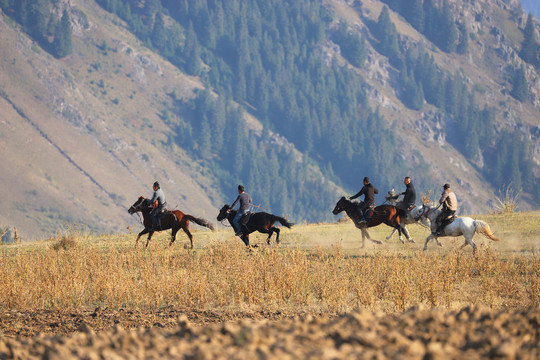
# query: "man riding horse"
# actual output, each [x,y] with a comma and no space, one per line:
[244,199]
[449,202]
[409,197]
[157,203]
[369,192]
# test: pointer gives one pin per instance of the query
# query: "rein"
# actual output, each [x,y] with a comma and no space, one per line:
[426,213]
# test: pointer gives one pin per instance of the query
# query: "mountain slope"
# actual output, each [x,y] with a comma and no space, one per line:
[85,135]
[71,154]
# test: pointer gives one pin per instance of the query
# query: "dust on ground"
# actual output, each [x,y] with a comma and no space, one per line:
[419,333]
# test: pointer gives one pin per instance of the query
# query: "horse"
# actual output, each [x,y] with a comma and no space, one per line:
[261,222]
[465,226]
[174,219]
[386,214]
[411,217]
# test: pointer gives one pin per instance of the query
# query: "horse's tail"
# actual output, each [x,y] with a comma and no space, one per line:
[200,221]
[282,221]
[483,227]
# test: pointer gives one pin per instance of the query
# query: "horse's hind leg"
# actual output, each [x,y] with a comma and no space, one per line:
[276,230]
[186,230]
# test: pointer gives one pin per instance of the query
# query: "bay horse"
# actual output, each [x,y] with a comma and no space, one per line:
[173,219]
[465,226]
[262,222]
[386,214]
[412,217]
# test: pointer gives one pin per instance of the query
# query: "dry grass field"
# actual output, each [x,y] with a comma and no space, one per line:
[80,282]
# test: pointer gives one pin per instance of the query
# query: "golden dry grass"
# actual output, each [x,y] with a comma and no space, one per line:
[317,268]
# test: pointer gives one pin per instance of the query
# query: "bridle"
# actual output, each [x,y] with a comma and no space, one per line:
[427,210]
[137,208]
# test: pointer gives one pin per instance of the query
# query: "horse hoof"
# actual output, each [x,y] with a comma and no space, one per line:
[400,239]
[412,241]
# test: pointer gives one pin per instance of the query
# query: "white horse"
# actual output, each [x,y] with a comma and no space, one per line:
[465,226]
[412,218]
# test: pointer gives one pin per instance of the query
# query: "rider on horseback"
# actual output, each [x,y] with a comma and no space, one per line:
[157,203]
[450,206]
[244,200]
[369,192]
[409,196]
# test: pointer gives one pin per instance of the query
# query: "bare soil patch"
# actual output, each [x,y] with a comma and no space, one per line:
[471,332]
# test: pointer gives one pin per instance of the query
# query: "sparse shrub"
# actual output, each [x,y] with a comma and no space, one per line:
[65,242]
[506,201]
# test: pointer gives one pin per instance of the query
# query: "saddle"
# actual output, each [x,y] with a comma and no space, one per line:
[447,221]
[245,218]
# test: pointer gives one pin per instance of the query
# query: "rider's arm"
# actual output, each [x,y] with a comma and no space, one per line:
[360,193]
[235,202]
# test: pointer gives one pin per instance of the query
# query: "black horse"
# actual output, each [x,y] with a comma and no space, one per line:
[174,219]
[261,222]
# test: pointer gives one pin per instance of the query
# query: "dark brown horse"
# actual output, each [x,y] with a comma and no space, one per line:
[261,222]
[387,214]
[174,219]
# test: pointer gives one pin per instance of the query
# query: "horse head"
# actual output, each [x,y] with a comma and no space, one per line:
[341,205]
[138,205]
[391,197]
[223,213]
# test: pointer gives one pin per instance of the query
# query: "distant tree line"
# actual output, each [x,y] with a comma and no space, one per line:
[38,20]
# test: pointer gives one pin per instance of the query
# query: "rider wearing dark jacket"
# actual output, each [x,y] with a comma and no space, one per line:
[369,192]
[409,197]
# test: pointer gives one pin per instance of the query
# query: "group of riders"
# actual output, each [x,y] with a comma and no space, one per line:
[448,201]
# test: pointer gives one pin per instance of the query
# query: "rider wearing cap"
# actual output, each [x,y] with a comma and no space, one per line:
[157,203]
[450,206]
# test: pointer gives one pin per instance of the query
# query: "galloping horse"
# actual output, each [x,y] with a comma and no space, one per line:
[174,219]
[261,222]
[465,226]
[387,214]
[411,218]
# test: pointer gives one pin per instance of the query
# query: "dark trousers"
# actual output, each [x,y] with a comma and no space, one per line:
[155,214]
[442,218]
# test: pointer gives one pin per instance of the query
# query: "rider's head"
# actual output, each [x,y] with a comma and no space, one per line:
[156,186]
[407,180]
[366,180]
[446,186]
[240,189]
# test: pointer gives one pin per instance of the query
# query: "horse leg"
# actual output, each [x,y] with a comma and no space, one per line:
[139,236]
[245,239]
[407,235]
[173,236]
[277,231]
[392,234]
[148,239]
[398,228]
[431,236]
[186,230]
[469,241]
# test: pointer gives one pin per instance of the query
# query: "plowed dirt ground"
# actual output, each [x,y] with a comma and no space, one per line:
[468,333]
